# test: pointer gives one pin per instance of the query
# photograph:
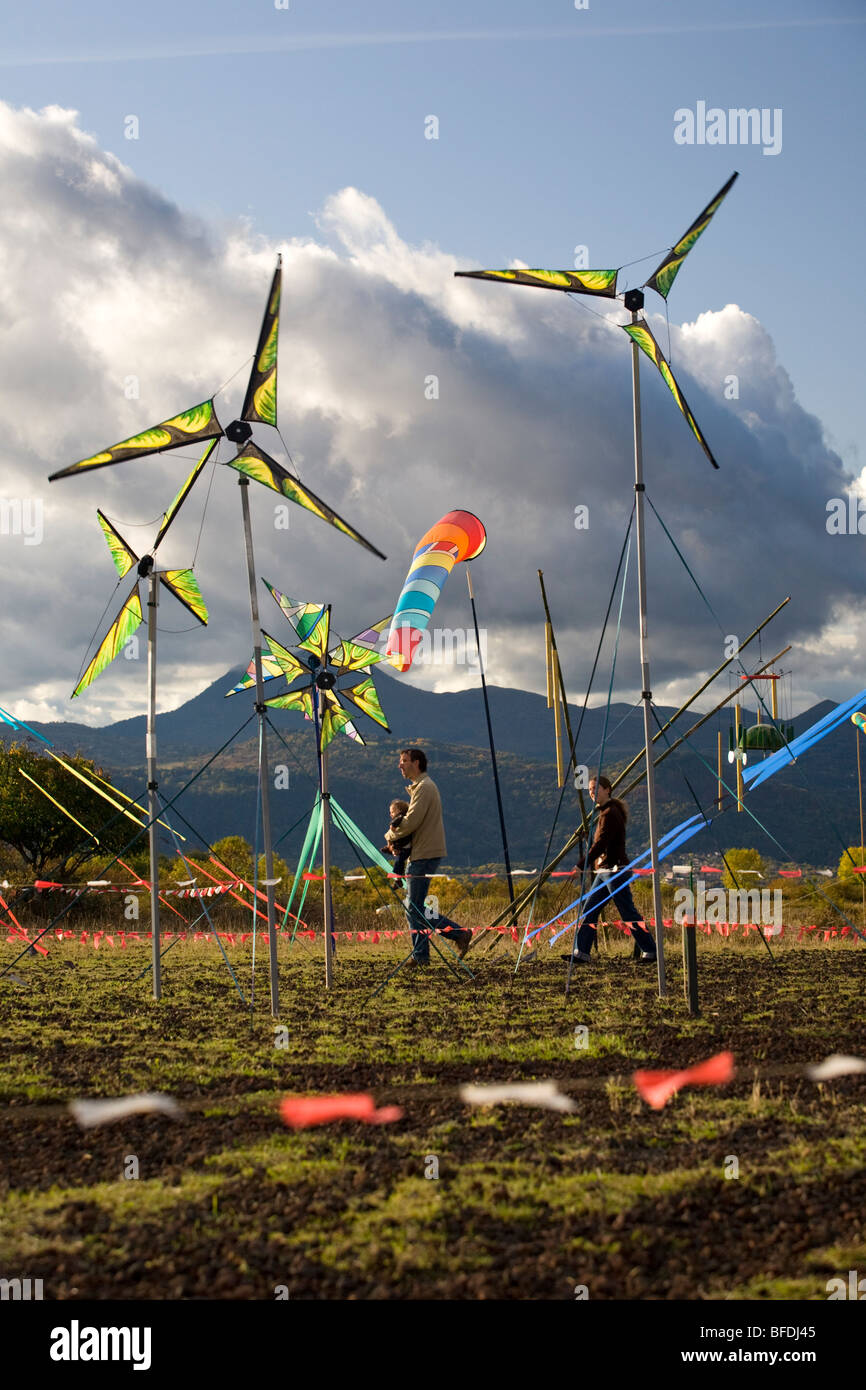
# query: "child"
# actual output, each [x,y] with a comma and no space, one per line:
[401,848]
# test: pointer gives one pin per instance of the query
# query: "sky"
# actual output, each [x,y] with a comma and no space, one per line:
[155,159]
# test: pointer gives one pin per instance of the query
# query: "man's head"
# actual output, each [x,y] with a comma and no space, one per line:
[600,789]
[413,761]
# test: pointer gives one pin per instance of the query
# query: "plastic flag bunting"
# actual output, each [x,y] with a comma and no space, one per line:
[301,1111]
[101,1112]
[544,1094]
[657,1087]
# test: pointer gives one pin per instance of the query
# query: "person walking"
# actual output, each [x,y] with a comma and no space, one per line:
[423,823]
[606,854]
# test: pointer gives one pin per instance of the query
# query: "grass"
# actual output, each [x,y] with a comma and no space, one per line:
[632,1202]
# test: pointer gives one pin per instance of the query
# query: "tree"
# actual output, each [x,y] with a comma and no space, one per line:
[38,830]
[855,854]
[739,859]
[236,853]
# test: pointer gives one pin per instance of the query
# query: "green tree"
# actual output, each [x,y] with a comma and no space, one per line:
[236,853]
[38,830]
[739,859]
[853,855]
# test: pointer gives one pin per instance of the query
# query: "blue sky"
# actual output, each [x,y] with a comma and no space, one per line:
[556,129]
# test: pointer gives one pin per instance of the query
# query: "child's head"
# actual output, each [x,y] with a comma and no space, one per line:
[398,808]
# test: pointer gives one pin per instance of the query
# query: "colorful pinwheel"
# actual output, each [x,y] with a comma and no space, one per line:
[321,668]
[603,283]
[181,583]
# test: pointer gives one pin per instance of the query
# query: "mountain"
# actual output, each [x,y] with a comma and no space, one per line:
[811,809]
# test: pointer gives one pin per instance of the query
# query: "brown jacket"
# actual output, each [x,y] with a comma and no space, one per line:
[423,820]
[607,850]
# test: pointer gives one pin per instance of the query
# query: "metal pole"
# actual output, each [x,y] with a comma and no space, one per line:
[152,802]
[690,952]
[327,905]
[264,769]
[739,756]
[719,767]
[492,747]
[646,691]
[860,785]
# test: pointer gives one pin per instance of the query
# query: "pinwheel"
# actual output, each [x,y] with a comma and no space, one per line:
[320,669]
[200,424]
[603,283]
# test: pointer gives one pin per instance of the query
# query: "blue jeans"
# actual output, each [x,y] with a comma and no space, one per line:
[418,879]
[625,906]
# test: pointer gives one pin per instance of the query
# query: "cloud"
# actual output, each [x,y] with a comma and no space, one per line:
[109,290]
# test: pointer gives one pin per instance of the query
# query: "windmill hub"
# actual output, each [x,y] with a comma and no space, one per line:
[633,300]
[326,680]
[145,565]
[238,432]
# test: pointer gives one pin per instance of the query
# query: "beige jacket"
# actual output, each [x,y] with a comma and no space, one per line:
[423,821]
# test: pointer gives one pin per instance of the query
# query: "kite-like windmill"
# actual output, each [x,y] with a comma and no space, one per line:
[603,283]
[321,669]
[183,585]
[198,425]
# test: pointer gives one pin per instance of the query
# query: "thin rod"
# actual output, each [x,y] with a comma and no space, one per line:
[153,804]
[499,807]
[860,786]
[264,774]
[327,906]
[646,691]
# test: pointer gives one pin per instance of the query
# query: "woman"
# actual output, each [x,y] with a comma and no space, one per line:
[607,853]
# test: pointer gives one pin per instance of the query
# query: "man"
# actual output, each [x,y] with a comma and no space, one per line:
[423,822]
[606,854]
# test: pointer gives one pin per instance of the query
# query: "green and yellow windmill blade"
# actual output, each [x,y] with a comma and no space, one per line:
[664,275]
[595,282]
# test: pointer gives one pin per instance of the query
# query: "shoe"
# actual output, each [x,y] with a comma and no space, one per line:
[462,941]
[649,956]
[419,964]
[579,957]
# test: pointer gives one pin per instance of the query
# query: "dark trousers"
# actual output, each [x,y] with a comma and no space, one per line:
[418,880]
[625,906]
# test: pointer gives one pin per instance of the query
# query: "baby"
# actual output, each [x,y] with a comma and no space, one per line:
[401,849]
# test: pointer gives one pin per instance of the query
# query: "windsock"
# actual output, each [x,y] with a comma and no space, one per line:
[860,721]
[458,536]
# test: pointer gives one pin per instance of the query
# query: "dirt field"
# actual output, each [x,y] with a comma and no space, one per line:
[528,1204]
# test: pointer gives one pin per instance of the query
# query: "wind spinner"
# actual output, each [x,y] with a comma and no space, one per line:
[318,697]
[603,283]
[183,585]
[199,424]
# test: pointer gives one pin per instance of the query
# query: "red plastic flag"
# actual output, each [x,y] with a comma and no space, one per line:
[657,1087]
[301,1111]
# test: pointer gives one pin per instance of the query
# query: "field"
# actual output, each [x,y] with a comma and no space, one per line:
[528,1204]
